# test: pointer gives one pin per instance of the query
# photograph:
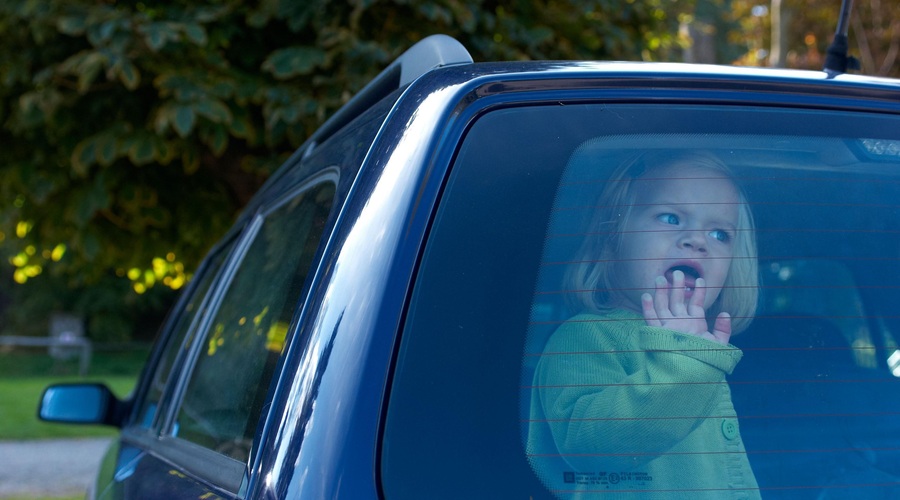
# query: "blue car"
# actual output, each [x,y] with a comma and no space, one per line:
[542,280]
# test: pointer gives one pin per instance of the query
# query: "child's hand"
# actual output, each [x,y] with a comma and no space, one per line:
[668,309]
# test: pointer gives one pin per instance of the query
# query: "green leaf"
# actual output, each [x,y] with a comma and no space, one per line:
[223,89]
[88,201]
[217,140]
[190,161]
[240,127]
[83,156]
[89,69]
[183,120]
[210,14]
[106,150]
[129,75]
[71,64]
[156,35]
[215,111]
[107,30]
[257,19]
[73,25]
[293,61]
[141,150]
[163,152]
[196,34]
[161,119]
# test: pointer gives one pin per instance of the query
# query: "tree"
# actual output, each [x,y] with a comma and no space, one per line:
[875,27]
[133,132]
[807,28]
[708,25]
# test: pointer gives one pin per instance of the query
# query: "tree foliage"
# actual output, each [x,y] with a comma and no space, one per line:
[874,34]
[133,132]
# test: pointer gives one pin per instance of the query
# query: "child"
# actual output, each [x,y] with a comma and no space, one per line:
[630,395]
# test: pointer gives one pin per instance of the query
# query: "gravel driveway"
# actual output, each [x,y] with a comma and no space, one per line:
[49,467]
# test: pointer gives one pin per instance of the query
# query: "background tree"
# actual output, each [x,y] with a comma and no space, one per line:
[807,28]
[133,133]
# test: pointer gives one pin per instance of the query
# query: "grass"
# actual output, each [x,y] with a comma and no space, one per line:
[25,374]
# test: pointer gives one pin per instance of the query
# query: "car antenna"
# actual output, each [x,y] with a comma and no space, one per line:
[837,61]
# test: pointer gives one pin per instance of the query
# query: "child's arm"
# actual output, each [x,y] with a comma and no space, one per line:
[601,412]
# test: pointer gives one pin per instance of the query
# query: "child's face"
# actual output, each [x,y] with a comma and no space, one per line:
[686,220]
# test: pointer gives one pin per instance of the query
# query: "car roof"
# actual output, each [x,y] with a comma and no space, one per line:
[670,71]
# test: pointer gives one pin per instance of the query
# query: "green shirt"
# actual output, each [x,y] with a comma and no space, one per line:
[621,406]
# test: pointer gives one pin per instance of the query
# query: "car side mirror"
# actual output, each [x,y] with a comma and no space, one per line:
[79,404]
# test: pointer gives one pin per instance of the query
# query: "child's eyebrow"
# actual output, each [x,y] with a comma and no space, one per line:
[722,223]
[726,225]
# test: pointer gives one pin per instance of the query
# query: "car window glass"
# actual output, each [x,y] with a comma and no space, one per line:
[821,288]
[799,403]
[238,353]
[176,344]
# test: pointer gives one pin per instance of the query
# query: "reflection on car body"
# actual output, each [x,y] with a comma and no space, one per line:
[371,326]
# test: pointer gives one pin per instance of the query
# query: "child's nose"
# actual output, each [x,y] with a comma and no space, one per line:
[692,240]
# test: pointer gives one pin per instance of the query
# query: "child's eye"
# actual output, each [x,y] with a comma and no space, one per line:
[720,235]
[668,219]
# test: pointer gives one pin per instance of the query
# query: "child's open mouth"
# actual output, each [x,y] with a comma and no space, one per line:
[690,276]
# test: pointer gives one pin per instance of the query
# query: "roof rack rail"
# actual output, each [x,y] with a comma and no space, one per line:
[429,53]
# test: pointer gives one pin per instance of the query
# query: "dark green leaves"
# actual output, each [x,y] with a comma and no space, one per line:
[293,61]
[135,130]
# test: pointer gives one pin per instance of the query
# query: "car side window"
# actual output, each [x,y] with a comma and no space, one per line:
[176,345]
[237,354]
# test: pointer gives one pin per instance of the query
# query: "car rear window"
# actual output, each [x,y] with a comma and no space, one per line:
[528,368]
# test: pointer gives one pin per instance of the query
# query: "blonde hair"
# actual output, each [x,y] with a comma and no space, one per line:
[591,278]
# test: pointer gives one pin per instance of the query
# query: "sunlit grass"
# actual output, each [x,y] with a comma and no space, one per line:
[19,402]
[24,376]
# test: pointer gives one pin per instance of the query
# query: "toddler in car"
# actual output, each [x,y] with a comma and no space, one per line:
[630,395]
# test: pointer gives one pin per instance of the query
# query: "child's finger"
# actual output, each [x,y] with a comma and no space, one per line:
[650,315]
[722,328]
[695,308]
[661,298]
[676,302]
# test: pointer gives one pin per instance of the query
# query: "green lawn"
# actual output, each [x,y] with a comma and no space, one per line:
[23,377]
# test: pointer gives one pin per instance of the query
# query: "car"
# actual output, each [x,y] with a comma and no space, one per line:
[378,323]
